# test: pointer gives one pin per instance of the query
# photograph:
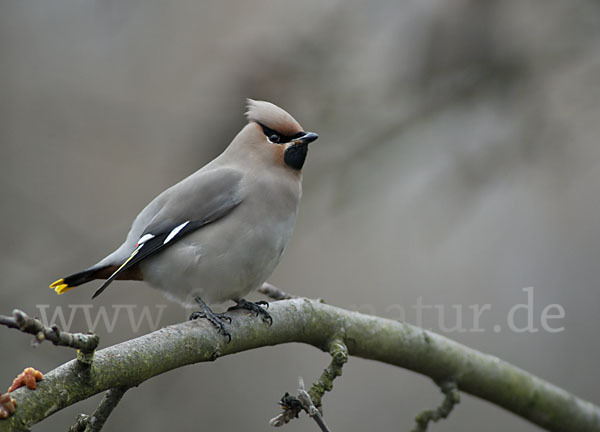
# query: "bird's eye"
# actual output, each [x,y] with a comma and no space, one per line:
[272,135]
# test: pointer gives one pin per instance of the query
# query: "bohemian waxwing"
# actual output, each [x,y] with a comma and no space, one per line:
[219,233]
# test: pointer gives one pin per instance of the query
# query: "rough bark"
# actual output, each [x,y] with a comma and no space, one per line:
[307,321]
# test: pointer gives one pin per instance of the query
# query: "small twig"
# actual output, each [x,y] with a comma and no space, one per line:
[81,422]
[95,422]
[273,292]
[309,406]
[292,406]
[86,343]
[452,397]
[339,356]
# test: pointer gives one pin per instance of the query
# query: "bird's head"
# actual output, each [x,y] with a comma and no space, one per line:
[276,134]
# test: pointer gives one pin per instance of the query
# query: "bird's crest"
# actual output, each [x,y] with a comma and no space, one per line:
[270,115]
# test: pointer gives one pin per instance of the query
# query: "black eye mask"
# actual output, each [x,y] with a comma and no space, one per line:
[278,138]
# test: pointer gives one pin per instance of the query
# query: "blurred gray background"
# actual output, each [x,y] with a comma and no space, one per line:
[458,163]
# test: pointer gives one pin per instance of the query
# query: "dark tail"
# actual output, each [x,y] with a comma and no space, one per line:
[65,284]
[108,272]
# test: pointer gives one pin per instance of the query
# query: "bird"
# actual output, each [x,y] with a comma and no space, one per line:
[218,234]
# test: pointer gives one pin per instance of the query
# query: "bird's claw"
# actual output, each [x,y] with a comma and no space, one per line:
[217,320]
[257,308]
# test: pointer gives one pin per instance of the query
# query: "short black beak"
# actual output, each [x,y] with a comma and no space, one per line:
[307,138]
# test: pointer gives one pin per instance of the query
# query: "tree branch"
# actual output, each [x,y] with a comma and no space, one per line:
[451,398]
[301,320]
[273,292]
[94,422]
[309,406]
[86,343]
[293,405]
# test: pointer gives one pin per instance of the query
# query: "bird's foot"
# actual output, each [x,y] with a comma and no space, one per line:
[257,308]
[217,320]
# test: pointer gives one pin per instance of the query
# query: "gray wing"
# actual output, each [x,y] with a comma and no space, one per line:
[197,201]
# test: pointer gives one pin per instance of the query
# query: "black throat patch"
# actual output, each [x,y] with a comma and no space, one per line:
[295,156]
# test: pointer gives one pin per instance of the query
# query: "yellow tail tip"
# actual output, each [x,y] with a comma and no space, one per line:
[56,283]
[60,286]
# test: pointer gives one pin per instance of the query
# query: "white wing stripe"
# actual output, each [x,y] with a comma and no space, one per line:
[175,232]
[145,238]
